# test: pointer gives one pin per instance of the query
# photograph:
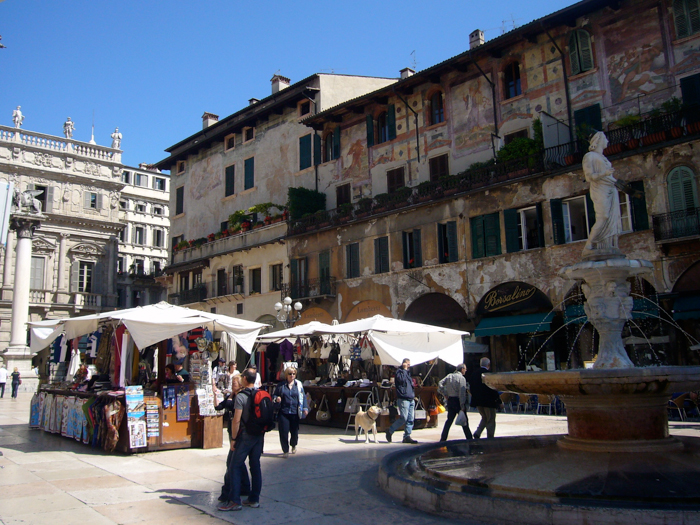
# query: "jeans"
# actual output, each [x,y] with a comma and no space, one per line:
[488,421]
[247,446]
[15,387]
[288,423]
[2,389]
[453,408]
[406,407]
[245,480]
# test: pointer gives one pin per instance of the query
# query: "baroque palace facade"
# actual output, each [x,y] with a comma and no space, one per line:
[455,195]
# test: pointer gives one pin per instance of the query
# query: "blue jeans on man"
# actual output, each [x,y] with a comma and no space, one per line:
[245,480]
[406,408]
[247,447]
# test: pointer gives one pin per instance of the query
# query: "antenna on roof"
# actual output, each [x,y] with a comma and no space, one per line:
[414,62]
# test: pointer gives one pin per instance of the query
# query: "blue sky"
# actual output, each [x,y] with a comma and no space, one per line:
[153,67]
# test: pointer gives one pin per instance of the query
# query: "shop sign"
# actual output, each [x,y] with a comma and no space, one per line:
[513,296]
[314,314]
[367,309]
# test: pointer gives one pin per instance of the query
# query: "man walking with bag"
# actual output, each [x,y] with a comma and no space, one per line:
[454,387]
[485,399]
[405,401]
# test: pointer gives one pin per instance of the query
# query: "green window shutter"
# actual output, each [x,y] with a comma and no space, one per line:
[336,143]
[682,193]
[453,252]
[230,179]
[573,54]
[478,249]
[293,273]
[370,131]
[693,15]
[317,150]
[391,121]
[510,222]
[352,256]
[442,256]
[690,90]
[492,234]
[249,175]
[540,225]
[324,264]
[590,209]
[640,217]
[304,152]
[377,256]
[681,19]
[417,252]
[557,221]
[406,250]
[585,50]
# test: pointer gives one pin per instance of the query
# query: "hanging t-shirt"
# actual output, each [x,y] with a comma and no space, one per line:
[192,337]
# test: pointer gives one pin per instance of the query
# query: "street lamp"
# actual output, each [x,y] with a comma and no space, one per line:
[286,311]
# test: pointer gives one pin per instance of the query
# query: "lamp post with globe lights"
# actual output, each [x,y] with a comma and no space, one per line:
[288,313]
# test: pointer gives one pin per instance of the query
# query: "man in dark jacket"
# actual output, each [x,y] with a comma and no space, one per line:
[485,399]
[405,401]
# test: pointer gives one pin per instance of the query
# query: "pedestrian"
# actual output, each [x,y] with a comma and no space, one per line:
[405,399]
[485,399]
[289,396]
[258,380]
[245,446]
[3,380]
[454,387]
[16,381]
[220,380]
[228,407]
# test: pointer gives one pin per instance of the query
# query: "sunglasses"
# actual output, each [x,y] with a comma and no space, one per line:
[291,373]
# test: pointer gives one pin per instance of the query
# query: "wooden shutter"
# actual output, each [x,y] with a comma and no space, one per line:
[477,224]
[49,199]
[682,193]
[585,50]
[249,173]
[510,222]
[336,143]
[442,234]
[573,54]
[540,225]
[682,26]
[317,150]
[558,232]
[36,279]
[417,250]
[453,252]
[405,237]
[75,276]
[99,203]
[87,196]
[352,255]
[381,255]
[324,265]
[304,152]
[391,121]
[230,182]
[640,217]
[370,131]
[492,234]
[590,208]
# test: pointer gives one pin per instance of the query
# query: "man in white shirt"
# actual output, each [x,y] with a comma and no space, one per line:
[3,380]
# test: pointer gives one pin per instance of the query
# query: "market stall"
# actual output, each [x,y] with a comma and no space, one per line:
[129,404]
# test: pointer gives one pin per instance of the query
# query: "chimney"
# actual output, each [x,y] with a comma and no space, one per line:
[476,38]
[208,119]
[407,72]
[279,83]
[252,101]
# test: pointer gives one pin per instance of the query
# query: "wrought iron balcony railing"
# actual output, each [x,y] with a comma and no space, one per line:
[310,288]
[676,225]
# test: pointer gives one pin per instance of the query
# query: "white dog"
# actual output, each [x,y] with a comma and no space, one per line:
[367,421]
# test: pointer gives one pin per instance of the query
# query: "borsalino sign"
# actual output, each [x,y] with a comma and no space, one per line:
[512,296]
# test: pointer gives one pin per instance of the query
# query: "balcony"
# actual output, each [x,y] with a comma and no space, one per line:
[644,135]
[676,225]
[311,289]
[88,301]
[194,295]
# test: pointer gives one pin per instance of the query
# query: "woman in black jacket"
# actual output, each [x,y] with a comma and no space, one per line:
[16,381]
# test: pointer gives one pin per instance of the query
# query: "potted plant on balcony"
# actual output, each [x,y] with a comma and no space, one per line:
[182,245]
[381,203]
[245,225]
[344,211]
[211,237]
[364,207]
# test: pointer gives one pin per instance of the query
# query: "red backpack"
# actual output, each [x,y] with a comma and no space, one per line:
[259,413]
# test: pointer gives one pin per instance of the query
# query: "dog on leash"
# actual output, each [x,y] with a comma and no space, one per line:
[367,421]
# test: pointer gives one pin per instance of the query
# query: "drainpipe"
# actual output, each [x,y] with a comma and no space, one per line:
[416,119]
[313,145]
[566,83]
[493,98]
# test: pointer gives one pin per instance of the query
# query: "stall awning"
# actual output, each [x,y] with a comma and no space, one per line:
[514,324]
[686,308]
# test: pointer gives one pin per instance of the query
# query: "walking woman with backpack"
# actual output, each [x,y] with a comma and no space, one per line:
[290,399]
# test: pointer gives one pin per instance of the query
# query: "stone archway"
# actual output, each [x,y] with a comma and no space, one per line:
[437,309]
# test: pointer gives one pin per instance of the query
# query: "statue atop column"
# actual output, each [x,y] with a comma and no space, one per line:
[116,139]
[17,117]
[603,237]
[68,128]
[27,199]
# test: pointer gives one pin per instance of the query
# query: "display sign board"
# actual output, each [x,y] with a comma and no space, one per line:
[512,297]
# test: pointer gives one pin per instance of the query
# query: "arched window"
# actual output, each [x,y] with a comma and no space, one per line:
[511,79]
[686,14]
[580,52]
[382,128]
[328,148]
[437,108]
[682,191]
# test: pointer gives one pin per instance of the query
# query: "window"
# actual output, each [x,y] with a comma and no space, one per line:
[124,205]
[511,80]
[580,52]
[352,260]
[120,264]
[221,288]
[682,189]
[223,226]
[381,255]
[385,127]
[238,279]
[588,119]
[394,180]
[255,281]
[176,240]
[92,200]
[141,180]
[304,152]
[239,308]
[180,200]
[126,177]
[438,167]
[625,211]
[298,283]
[331,149]
[36,276]
[437,108]
[229,182]
[412,254]
[141,208]
[342,194]
[184,282]
[139,235]
[139,268]
[156,267]
[524,228]
[249,173]
[686,14]
[180,167]
[276,277]
[572,219]
[158,238]
[122,234]
[510,137]
[248,134]
[158,183]
[324,272]
[85,270]
[157,210]
[447,242]
[486,236]
[304,108]
[196,277]
[230,142]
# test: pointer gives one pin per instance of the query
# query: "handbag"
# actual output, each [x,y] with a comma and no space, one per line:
[321,414]
[419,413]
[461,419]
[340,405]
[351,405]
[386,403]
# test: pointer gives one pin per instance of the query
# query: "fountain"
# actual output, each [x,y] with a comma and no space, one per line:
[617,463]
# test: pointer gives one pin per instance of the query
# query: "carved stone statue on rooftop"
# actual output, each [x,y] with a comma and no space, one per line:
[17,117]
[116,139]
[602,240]
[68,128]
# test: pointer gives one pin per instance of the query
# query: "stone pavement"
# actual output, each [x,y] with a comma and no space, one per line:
[48,479]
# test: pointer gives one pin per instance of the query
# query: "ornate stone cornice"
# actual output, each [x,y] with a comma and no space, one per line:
[85,248]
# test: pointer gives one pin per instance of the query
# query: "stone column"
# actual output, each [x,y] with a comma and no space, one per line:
[62,262]
[7,268]
[18,353]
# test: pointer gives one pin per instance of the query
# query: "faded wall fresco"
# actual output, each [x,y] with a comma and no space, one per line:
[204,183]
[354,160]
[472,114]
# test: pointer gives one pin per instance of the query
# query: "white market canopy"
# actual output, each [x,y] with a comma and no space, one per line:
[301,330]
[148,325]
